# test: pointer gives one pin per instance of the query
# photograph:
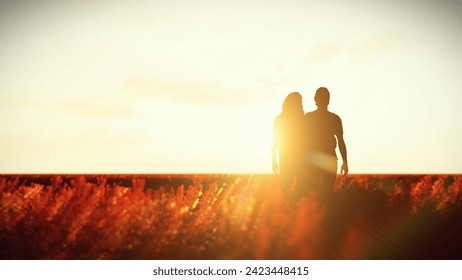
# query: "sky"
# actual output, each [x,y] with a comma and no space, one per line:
[149,86]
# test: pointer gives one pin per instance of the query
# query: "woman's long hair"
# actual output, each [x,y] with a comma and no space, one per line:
[289,124]
[292,106]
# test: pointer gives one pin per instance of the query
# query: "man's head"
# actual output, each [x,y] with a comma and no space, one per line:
[322,97]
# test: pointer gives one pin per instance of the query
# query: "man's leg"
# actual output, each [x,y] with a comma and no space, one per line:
[328,177]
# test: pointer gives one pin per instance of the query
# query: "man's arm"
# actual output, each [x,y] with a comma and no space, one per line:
[343,152]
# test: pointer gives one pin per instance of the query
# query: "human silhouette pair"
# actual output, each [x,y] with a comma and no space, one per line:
[305,145]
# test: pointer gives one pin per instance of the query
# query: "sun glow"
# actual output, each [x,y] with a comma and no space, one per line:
[169,87]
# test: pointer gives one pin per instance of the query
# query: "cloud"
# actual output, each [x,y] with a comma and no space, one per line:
[99,109]
[364,52]
[198,93]
[325,51]
[381,44]
[119,14]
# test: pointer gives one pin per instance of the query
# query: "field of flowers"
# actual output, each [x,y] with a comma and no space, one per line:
[228,217]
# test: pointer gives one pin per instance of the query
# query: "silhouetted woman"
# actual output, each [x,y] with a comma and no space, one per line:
[288,141]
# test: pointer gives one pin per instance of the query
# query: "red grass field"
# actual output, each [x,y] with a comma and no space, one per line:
[228,217]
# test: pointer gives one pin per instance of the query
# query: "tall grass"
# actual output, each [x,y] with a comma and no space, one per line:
[249,217]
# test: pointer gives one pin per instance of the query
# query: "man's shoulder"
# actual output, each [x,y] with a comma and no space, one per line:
[308,114]
[334,116]
[316,112]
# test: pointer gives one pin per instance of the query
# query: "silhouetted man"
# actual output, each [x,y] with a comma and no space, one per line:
[324,130]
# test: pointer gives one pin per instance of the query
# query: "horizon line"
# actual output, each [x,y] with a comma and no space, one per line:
[186,174]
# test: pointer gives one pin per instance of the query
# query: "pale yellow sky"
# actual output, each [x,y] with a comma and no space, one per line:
[193,86]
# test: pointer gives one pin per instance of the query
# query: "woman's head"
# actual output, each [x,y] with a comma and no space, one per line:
[293,104]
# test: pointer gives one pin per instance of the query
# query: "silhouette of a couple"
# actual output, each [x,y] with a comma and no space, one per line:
[306,144]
